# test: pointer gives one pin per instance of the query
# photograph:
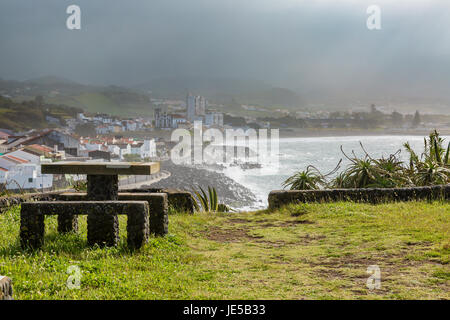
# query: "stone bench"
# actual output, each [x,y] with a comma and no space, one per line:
[158,204]
[6,292]
[102,221]
[178,199]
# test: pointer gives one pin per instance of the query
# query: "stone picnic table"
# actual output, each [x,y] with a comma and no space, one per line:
[102,177]
[101,204]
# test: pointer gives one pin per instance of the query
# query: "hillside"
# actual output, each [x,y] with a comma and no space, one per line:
[113,100]
[223,90]
[21,116]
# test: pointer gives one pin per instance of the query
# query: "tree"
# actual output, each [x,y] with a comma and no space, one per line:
[39,100]
[417,119]
[397,118]
[373,109]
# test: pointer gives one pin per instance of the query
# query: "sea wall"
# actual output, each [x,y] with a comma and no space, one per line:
[279,198]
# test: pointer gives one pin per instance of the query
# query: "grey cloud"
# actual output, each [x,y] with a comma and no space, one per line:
[303,45]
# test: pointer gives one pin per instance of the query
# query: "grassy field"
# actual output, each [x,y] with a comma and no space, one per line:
[316,251]
[102,103]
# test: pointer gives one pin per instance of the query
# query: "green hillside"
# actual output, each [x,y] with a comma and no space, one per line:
[113,100]
[20,116]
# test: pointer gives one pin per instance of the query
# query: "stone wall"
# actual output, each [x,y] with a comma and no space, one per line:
[6,291]
[17,199]
[279,198]
[178,199]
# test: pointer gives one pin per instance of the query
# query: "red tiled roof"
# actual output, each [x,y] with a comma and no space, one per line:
[15,159]
[40,148]
[3,169]
[4,135]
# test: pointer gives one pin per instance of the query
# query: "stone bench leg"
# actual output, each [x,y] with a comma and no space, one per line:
[6,292]
[103,227]
[137,226]
[32,227]
[67,223]
[159,219]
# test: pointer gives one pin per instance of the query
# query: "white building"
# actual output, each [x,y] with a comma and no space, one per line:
[200,105]
[124,148]
[102,129]
[27,176]
[22,154]
[148,149]
[190,107]
[177,119]
[18,173]
[214,119]
[128,125]
[114,149]
[163,120]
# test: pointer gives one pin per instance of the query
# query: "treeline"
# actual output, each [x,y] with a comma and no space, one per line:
[360,120]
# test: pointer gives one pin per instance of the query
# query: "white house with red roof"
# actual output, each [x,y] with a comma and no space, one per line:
[21,170]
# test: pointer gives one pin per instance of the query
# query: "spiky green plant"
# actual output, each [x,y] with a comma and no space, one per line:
[432,167]
[310,179]
[208,202]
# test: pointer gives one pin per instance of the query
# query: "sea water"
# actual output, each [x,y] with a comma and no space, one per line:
[324,153]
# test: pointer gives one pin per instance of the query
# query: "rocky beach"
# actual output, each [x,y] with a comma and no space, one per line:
[190,178]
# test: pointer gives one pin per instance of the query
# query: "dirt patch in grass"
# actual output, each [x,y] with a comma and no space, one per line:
[272,244]
[240,235]
[294,223]
[265,223]
[229,235]
[238,221]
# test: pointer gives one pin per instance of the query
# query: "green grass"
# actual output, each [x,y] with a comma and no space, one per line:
[98,102]
[314,251]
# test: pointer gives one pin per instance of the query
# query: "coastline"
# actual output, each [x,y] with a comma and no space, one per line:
[305,133]
[322,132]
[189,178]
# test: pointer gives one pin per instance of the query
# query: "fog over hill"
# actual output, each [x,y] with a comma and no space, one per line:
[320,52]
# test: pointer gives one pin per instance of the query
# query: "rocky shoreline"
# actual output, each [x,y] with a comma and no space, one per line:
[189,177]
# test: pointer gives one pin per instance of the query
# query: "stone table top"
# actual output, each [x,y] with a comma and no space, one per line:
[101,168]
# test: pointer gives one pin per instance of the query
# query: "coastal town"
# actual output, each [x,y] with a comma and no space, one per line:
[22,153]
[218,158]
[104,137]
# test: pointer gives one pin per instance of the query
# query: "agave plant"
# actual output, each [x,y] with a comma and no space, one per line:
[431,173]
[361,173]
[391,172]
[208,202]
[339,182]
[310,179]
[433,166]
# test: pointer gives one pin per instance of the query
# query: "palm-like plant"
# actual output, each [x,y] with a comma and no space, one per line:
[391,173]
[310,179]
[433,167]
[431,173]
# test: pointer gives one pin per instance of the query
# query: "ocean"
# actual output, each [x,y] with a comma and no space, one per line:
[324,153]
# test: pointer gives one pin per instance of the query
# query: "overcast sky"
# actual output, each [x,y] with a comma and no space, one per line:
[306,45]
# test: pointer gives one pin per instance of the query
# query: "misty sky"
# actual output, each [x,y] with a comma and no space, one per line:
[304,45]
